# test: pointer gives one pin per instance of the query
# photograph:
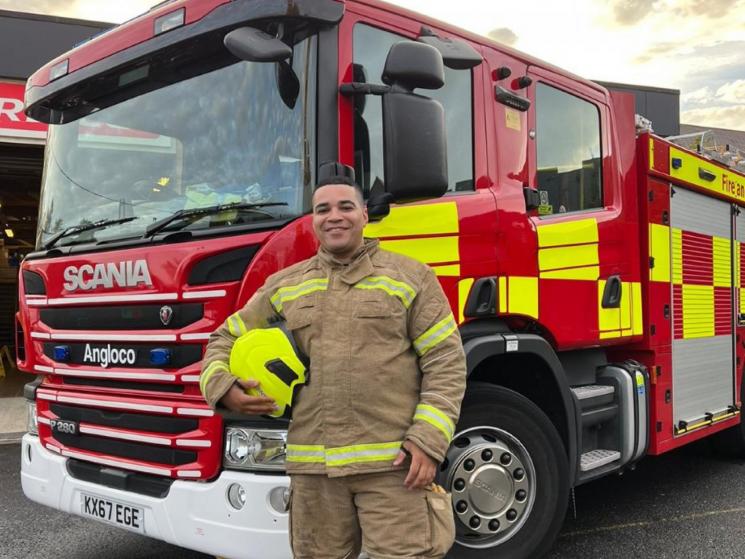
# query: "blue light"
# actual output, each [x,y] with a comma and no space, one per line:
[160,356]
[62,353]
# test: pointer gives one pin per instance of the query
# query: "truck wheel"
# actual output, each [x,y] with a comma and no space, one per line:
[508,474]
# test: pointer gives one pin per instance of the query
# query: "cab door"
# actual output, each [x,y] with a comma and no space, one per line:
[452,234]
[587,235]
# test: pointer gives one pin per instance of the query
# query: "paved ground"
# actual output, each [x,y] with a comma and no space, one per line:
[689,504]
[32,531]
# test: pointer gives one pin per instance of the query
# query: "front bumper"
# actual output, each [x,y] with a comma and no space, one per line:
[194,515]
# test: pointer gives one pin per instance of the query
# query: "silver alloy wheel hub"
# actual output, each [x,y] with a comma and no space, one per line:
[492,480]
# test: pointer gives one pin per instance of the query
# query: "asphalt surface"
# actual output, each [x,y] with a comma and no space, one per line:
[687,504]
[32,531]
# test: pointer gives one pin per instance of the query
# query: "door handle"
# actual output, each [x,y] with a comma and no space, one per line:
[612,292]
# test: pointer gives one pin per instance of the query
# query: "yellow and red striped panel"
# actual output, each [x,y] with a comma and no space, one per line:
[700,268]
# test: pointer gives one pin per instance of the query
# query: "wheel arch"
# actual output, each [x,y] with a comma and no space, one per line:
[530,368]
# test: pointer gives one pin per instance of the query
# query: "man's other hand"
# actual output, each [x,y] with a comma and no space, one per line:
[422,470]
[237,400]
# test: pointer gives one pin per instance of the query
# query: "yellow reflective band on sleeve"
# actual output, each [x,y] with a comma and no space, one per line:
[211,369]
[356,454]
[390,286]
[306,453]
[436,418]
[435,335]
[290,293]
[236,325]
[343,455]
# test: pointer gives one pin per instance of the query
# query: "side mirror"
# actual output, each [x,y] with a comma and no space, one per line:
[414,136]
[253,45]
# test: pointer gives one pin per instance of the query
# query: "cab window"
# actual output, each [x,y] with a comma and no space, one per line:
[568,152]
[371,47]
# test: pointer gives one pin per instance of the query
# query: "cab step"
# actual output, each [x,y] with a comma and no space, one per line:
[598,458]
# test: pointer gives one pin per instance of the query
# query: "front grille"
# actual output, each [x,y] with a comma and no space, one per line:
[126,420]
[181,355]
[129,317]
[175,439]
[130,450]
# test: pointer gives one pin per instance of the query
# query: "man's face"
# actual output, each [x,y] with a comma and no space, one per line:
[339,216]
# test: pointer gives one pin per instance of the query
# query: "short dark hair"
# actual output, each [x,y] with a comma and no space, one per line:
[341,180]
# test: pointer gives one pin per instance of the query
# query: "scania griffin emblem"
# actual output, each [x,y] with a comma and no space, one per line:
[166,313]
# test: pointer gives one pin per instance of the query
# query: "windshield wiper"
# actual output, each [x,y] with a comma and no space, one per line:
[158,226]
[100,224]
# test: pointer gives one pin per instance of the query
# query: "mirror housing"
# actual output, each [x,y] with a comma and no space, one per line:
[414,136]
[254,45]
[411,65]
[456,53]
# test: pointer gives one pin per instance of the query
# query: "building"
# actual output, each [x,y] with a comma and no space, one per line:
[27,42]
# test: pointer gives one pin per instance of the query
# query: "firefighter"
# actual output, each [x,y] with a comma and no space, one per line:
[385,383]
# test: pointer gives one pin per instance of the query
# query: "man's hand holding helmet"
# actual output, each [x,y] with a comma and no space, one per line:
[238,401]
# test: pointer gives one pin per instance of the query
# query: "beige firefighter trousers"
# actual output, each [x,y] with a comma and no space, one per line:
[334,518]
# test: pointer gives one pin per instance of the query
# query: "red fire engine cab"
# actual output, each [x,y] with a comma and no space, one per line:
[595,271]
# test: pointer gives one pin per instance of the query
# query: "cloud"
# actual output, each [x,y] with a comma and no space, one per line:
[629,12]
[503,35]
[732,92]
[710,8]
[699,96]
[658,50]
[732,118]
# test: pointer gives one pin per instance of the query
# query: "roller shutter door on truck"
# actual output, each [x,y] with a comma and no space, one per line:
[702,254]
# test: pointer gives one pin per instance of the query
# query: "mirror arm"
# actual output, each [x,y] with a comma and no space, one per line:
[361,88]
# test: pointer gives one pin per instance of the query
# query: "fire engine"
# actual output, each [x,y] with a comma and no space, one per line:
[595,270]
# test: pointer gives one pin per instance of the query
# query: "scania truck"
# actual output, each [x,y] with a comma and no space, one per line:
[594,269]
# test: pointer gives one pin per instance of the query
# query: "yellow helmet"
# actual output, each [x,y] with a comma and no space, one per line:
[270,357]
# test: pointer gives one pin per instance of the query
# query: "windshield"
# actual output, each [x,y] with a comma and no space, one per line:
[225,137]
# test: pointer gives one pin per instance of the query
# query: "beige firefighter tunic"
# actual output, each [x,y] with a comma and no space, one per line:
[386,360]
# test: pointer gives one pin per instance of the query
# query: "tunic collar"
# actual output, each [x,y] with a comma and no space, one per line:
[358,268]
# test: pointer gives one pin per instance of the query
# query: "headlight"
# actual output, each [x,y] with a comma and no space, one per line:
[32,425]
[254,449]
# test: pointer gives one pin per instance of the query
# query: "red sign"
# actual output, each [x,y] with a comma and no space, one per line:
[13,123]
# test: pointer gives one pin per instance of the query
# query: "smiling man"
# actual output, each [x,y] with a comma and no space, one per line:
[387,375]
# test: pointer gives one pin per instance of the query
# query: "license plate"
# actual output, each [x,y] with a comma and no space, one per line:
[113,512]
[64,426]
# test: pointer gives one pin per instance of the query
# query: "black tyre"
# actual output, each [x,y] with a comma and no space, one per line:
[508,474]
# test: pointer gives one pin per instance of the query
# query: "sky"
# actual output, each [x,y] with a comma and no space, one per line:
[695,46]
